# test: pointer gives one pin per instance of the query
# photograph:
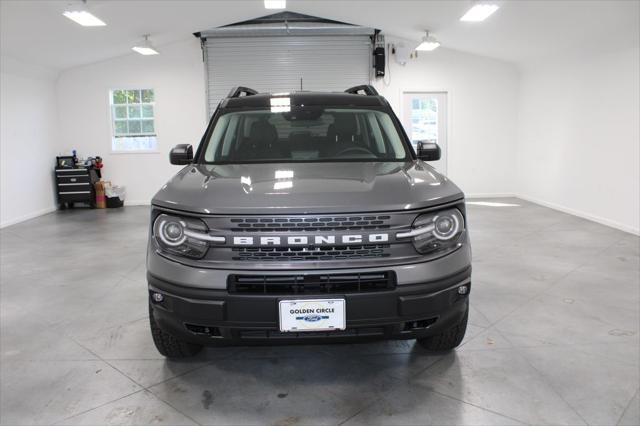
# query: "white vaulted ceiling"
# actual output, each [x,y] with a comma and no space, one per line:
[520,31]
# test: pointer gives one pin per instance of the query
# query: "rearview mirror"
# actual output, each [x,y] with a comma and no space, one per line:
[428,151]
[181,154]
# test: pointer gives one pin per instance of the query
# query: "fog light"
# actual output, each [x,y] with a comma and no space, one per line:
[463,289]
[157,297]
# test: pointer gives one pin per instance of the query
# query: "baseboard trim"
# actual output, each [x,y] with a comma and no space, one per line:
[489,195]
[583,215]
[137,202]
[28,216]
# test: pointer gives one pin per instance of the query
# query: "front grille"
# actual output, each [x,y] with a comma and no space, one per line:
[310,224]
[311,284]
[293,254]
[273,256]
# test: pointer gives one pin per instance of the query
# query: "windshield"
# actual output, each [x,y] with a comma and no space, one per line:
[305,134]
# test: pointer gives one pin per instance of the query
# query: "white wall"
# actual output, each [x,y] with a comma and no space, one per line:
[481,142]
[28,134]
[482,96]
[579,138]
[176,75]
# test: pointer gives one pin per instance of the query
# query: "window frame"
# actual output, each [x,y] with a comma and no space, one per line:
[112,120]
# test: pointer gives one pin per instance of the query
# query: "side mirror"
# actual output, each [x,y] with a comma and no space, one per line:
[181,154]
[428,151]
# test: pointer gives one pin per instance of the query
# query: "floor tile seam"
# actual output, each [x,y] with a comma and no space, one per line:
[184,373]
[508,416]
[548,383]
[391,375]
[126,323]
[553,346]
[361,410]
[108,363]
[147,388]
[535,296]
[53,360]
[174,407]
[482,314]
[419,373]
[205,363]
[105,291]
[82,312]
[574,346]
[156,397]
[554,283]
[627,407]
[57,422]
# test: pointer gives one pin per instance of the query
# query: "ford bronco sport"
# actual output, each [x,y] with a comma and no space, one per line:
[307,216]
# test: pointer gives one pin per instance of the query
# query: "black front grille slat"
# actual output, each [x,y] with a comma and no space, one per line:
[271,254]
[311,284]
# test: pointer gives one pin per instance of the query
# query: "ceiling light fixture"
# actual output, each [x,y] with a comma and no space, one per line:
[428,44]
[146,48]
[275,4]
[80,15]
[479,12]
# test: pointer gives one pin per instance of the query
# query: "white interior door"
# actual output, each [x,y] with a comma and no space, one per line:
[424,117]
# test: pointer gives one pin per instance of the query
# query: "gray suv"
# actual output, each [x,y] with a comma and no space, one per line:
[307,216]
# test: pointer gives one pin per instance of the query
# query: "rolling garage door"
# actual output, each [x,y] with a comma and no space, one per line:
[267,61]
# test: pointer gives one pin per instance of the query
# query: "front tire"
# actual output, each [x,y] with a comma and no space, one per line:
[447,339]
[168,344]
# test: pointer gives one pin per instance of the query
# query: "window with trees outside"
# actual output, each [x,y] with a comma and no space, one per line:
[133,120]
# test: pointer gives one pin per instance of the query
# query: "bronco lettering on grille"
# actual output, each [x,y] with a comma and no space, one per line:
[303,240]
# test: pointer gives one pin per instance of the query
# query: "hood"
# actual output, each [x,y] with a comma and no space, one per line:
[306,188]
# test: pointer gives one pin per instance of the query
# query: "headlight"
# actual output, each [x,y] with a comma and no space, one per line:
[181,236]
[437,233]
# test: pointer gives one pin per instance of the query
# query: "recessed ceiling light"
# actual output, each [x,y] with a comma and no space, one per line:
[479,12]
[146,48]
[275,4]
[428,44]
[84,18]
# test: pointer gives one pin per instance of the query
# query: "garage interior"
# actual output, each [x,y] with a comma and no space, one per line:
[536,109]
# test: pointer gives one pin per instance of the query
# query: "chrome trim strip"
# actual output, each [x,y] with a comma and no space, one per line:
[416,232]
[75,192]
[73,184]
[204,237]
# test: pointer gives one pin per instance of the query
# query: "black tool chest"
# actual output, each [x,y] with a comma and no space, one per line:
[75,186]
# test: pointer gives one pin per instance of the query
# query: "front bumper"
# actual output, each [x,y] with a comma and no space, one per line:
[210,316]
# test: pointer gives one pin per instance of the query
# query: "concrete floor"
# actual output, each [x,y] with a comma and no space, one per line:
[553,337]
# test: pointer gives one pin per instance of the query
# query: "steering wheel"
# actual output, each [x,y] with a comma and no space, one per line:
[355,149]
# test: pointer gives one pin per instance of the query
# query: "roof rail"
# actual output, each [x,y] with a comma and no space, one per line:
[236,92]
[368,90]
